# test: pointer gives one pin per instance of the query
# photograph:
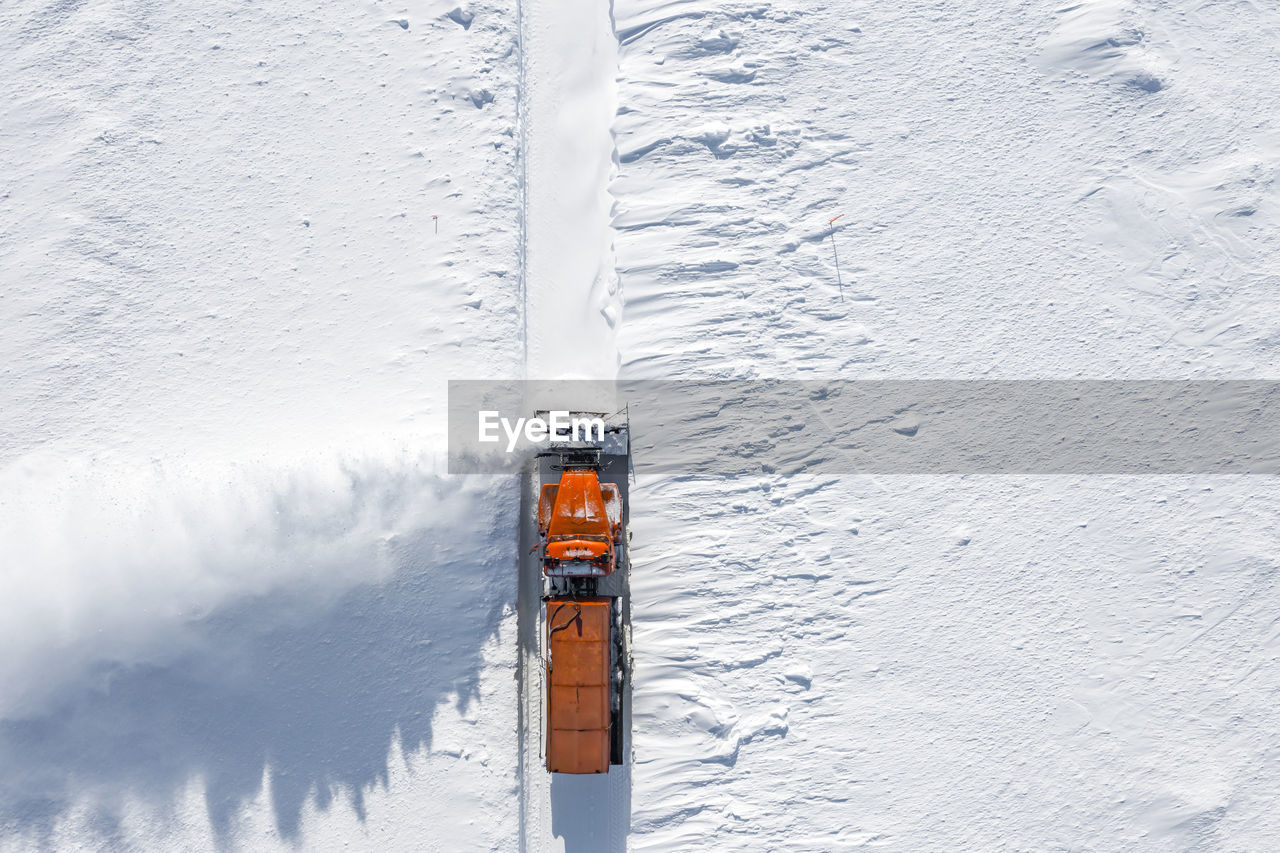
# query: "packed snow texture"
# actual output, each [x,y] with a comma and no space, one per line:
[239,605]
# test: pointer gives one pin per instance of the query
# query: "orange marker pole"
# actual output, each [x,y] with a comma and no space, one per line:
[836,255]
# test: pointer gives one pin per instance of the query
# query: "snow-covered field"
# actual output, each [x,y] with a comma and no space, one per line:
[243,606]
[240,600]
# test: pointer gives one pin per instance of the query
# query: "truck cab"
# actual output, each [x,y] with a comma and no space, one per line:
[580,524]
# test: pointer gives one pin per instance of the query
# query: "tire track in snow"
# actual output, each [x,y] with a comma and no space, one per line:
[572,300]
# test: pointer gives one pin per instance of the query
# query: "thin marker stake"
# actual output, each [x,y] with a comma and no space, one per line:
[836,255]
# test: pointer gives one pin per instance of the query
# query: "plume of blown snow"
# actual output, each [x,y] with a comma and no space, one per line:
[112,562]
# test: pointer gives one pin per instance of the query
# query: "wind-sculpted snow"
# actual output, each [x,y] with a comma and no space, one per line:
[114,563]
[828,660]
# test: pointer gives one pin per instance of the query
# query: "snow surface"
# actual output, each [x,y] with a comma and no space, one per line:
[572,303]
[241,606]
[240,602]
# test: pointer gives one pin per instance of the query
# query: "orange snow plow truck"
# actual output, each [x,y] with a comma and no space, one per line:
[586,608]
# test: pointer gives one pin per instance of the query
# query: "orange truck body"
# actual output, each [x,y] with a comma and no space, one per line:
[578,684]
